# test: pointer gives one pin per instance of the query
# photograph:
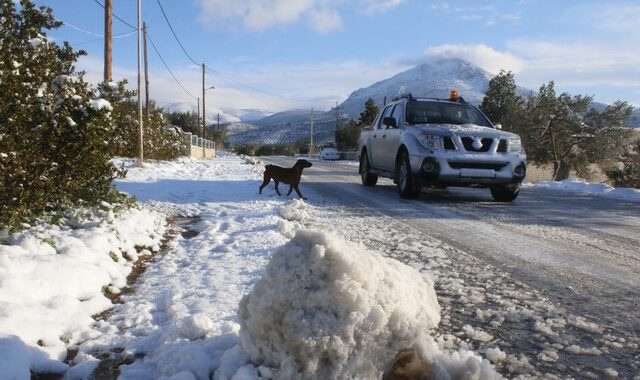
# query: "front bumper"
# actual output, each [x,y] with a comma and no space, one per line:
[448,168]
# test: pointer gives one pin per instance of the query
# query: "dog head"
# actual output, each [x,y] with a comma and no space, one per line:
[304,163]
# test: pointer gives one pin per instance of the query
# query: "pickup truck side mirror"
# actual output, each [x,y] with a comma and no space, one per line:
[498,126]
[390,122]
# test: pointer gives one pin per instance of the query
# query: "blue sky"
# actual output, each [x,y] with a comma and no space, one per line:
[302,53]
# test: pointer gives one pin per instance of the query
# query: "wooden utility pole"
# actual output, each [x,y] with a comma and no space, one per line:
[204,112]
[108,38]
[311,150]
[146,77]
[140,125]
[337,116]
[198,118]
[218,128]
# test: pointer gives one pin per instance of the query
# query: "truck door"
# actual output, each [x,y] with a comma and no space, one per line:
[391,140]
[378,141]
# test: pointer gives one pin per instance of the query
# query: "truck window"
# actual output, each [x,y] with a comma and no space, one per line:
[421,112]
[387,112]
[397,114]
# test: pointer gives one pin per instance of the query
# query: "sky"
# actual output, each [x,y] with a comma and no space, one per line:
[275,55]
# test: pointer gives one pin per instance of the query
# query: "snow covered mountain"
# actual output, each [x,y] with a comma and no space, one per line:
[433,79]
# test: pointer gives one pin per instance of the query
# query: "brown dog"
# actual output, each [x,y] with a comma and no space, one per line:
[290,176]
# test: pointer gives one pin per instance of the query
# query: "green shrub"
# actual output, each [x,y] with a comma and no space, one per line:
[54,130]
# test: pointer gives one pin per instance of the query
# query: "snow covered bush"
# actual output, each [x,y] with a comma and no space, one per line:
[328,309]
[161,140]
[54,131]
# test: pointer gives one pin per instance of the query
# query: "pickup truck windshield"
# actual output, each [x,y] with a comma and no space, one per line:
[432,112]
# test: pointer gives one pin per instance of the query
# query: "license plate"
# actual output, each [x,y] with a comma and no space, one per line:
[477,173]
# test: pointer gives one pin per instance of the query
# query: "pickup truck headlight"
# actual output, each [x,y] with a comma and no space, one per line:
[515,145]
[431,142]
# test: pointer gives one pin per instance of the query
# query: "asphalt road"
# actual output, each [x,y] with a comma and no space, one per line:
[581,252]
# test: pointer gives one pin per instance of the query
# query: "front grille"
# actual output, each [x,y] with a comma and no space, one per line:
[448,144]
[477,165]
[467,142]
[502,146]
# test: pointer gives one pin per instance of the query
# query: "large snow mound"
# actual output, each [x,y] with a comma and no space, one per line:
[329,309]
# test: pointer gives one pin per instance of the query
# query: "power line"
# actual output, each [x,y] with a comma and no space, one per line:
[225,77]
[167,66]
[116,16]
[175,35]
[79,29]
[230,79]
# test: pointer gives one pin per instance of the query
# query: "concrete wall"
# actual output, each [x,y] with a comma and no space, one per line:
[196,152]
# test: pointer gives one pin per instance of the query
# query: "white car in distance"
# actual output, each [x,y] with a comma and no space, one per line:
[329,154]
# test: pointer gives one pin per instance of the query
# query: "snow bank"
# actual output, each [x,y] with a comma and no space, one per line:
[53,279]
[329,309]
[587,188]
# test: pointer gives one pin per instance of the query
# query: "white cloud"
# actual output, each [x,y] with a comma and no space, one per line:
[481,55]
[620,18]
[579,63]
[260,15]
[571,64]
[379,6]
[324,21]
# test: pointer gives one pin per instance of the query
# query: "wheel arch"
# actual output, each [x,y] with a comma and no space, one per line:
[401,149]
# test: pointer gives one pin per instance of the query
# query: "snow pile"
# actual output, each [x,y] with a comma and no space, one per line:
[329,309]
[251,160]
[597,189]
[53,279]
[294,211]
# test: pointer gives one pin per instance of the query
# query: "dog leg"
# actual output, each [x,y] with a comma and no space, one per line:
[298,191]
[277,191]
[290,190]
[265,182]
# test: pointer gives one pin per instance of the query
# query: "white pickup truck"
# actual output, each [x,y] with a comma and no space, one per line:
[441,142]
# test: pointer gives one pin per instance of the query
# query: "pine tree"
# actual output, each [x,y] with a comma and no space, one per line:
[54,130]
[370,112]
[501,103]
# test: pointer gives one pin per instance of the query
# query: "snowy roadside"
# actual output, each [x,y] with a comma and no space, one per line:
[575,185]
[187,317]
[54,278]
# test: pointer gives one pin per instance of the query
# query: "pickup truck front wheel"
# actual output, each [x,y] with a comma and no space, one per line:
[504,194]
[368,178]
[407,187]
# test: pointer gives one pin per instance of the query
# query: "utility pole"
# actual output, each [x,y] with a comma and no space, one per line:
[140,125]
[204,112]
[218,127]
[146,77]
[198,118]
[311,143]
[337,116]
[108,10]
